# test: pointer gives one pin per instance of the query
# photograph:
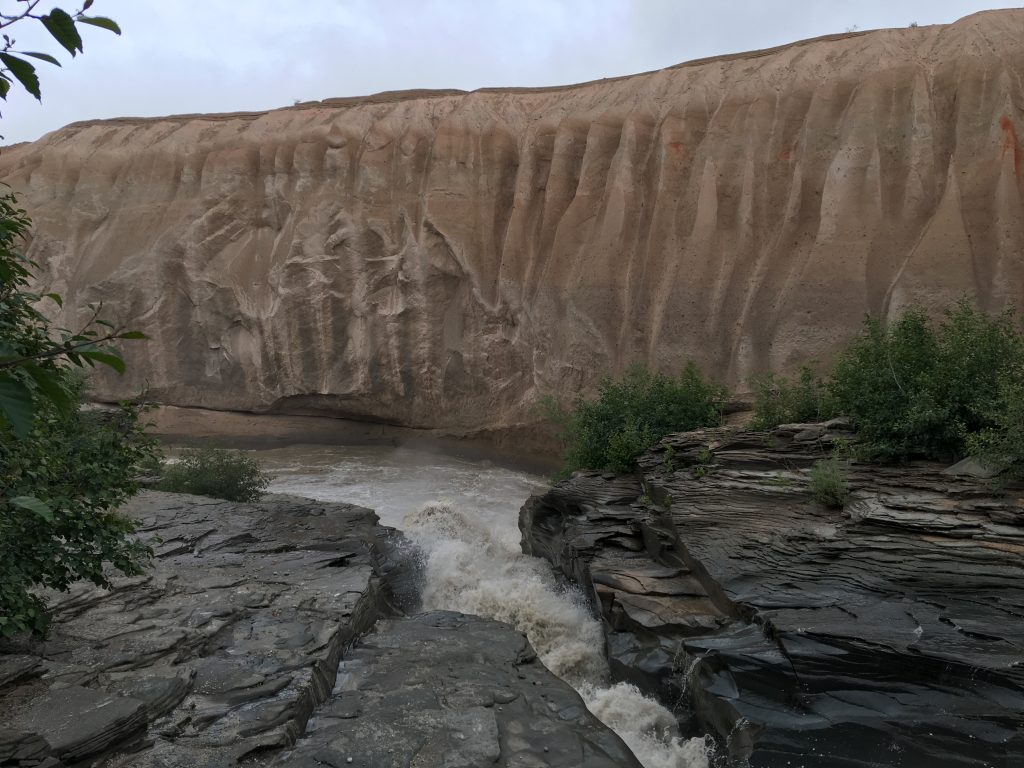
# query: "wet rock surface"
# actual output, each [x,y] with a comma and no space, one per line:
[227,652]
[446,689]
[220,652]
[889,633]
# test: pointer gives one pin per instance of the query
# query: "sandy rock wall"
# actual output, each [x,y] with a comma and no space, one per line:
[442,259]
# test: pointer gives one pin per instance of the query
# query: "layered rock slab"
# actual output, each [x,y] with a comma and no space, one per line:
[218,653]
[442,259]
[442,690]
[886,634]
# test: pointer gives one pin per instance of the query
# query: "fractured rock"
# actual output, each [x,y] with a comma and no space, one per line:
[446,690]
[890,633]
[222,649]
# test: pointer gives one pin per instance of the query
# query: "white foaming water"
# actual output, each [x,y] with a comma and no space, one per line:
[474,565]
[470,570]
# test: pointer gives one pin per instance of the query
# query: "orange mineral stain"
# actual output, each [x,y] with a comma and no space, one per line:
[1011,143]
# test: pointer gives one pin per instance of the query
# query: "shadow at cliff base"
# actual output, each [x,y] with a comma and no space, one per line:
[519,448]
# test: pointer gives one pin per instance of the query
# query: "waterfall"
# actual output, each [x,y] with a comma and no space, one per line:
[473,564]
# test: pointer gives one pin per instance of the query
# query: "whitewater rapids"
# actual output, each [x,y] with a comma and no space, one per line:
[463,516]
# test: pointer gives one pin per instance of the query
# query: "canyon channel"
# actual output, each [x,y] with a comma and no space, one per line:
[463,517]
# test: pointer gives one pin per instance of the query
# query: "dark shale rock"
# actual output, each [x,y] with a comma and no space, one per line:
[79,722]
[446,690]
[890,633]
[221,651]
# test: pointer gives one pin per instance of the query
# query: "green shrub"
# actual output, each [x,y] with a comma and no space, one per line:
[781,401]
[59,487]
[215,472]
[1002,444]
[912,388]
[632,413]
[828,483]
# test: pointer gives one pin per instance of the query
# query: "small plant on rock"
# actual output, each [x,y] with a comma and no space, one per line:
[705,461]
[215,472]
[670,459]
[778,400]
[828,483]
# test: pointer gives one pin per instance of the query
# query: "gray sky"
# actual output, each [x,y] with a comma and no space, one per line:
[226,55]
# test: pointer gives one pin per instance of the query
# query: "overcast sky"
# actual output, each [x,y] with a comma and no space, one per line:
[225,55]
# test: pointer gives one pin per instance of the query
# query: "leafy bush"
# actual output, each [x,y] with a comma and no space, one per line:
[913,388]
[215,472]
[632,413]
[781,401]
[58,486]
[828,483]
[1002,444]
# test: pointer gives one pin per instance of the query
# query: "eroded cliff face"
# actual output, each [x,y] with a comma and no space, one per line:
[442,259]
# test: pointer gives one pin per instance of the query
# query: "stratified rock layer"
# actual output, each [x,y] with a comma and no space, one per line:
[890,633]
[441,259]
[217,654]
[445,689]
[255,627]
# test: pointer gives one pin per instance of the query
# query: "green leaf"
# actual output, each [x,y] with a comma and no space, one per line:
[102,22]
[40,56]
[32,504]
[106,358]
[7,352]
[62,27]
[24,72]
[56,297]
[132,335]
[49,384]
[16,405]
[5,86]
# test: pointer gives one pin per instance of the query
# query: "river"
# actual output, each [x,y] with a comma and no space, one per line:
[464,515]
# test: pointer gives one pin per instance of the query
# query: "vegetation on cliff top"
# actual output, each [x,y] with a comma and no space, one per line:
[917,387]
[913,387]
[630,414]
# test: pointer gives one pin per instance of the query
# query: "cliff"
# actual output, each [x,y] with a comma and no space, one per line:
[442,259]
